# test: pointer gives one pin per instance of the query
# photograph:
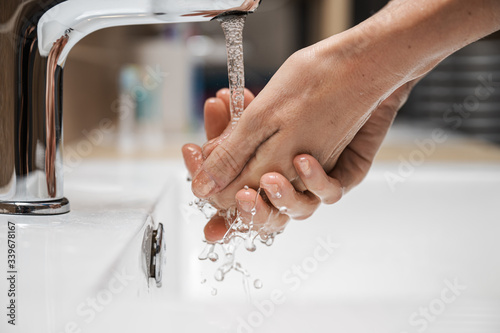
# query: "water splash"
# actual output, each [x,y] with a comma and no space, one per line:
[209,248]
[204,207]
[239,234]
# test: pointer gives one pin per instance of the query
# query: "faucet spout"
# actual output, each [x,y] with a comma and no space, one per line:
[36,37]
[78,18]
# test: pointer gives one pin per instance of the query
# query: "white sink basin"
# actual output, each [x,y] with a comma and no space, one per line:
[422,258]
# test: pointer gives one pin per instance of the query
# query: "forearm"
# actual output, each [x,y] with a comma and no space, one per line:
[408,38]
[421,33]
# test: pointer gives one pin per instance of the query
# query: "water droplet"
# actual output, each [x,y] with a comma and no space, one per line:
[246,187]
[283,210]
[209,248]
[203,281]
[270,241]
[253,211]
[250,245]
[213,256]
[258,284]
[243,228]
[219,275]
[214,292]
[240,269]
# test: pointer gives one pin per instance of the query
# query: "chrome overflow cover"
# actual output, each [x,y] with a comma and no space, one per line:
[157,255]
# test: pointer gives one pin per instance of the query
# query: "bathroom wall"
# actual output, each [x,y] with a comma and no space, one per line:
[90,80]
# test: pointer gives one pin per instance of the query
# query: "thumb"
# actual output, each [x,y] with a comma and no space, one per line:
[229,157]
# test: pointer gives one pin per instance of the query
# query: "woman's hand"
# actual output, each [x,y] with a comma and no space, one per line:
[300,114]
[272,214]
[283,201]
[266,217]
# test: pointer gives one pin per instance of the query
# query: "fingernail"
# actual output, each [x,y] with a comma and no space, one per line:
[203,184]
[211,100]
[208,147]
[272,189]
[247,206]
[305,167]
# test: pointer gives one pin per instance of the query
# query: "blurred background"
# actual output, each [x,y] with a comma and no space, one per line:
[150,82]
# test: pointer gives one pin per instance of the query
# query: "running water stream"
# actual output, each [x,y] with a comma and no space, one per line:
[233,31]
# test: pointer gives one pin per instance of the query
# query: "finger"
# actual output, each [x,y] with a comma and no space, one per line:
[247,200]
[315,179]
[224,95]
[215,229]
[209,146]
[266,219]
[356,160]
[352,166]
[193,157]
[283,196]
[249,97]
[216,117]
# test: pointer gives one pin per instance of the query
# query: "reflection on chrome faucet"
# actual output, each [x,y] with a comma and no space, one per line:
[36,37]
[247,6]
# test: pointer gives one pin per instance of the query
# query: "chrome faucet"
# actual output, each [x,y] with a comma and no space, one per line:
[36,37]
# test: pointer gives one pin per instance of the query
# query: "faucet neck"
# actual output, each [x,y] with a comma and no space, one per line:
[34,43]
[31,109]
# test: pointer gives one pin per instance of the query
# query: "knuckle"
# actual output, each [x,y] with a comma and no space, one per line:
[306,211]
[332,198]
[226,162]
[302,217]
[320,187]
